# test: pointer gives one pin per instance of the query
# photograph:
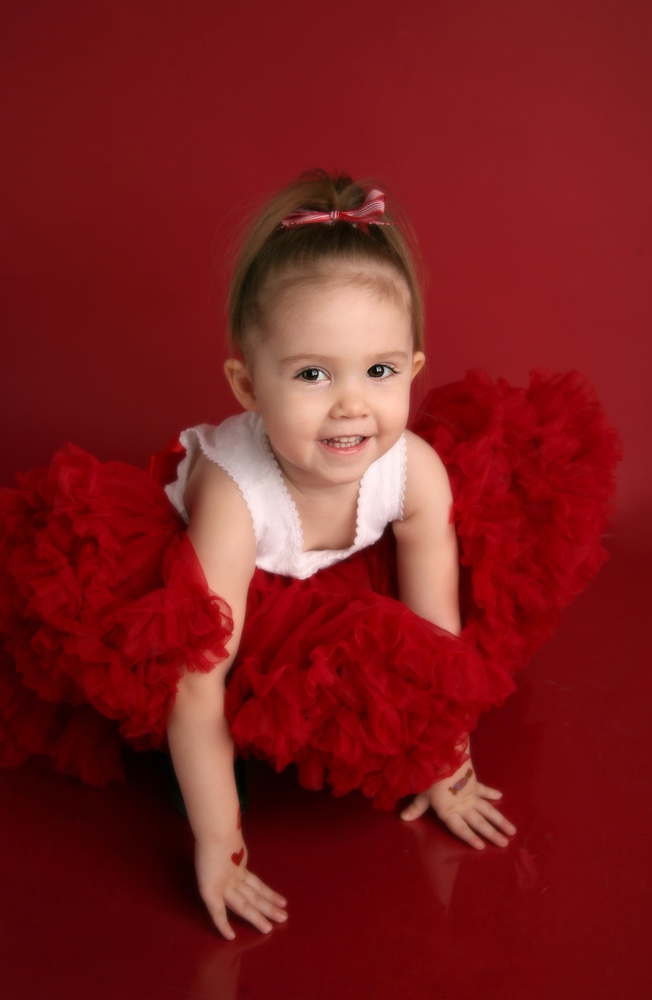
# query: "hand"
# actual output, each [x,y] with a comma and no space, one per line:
[464,805]
[224,880]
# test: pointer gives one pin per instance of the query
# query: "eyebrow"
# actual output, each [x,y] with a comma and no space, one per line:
[324,359]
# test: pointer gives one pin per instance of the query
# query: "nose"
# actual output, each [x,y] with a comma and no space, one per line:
[350,400]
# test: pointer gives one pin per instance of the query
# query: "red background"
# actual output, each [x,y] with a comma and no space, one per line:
[516,133]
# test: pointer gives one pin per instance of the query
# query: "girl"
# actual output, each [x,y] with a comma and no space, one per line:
[287,620]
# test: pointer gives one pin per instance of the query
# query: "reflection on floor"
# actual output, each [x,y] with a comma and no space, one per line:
[98,897]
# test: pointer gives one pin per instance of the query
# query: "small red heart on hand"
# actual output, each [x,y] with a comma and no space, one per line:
[237,858]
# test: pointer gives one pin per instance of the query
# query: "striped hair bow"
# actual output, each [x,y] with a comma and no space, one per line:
[369,211]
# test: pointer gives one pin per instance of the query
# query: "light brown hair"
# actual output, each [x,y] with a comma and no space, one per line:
[272,253]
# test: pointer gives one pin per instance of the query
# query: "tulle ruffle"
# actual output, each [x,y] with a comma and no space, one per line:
[353,688]
[103,604]
[533,476]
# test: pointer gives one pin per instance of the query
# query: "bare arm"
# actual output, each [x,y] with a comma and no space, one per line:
[222,535]
[426,543]
[202,750]
[427,559]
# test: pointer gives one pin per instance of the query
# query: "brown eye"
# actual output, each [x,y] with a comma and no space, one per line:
[380,371]
[312,375]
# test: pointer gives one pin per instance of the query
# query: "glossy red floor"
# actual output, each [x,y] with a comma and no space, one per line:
[98,899]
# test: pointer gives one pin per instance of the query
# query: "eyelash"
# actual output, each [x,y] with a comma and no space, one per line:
[390,368]
[383,364]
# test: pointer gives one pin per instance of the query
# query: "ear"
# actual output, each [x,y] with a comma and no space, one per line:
[418,361]
[242,383]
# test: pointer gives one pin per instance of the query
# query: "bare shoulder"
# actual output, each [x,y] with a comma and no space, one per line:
[209,486]
[220,528]
[427,484]
[427,554]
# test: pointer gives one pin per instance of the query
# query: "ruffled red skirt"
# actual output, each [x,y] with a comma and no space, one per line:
[103,604]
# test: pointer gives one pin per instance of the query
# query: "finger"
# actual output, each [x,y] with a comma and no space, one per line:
[484,828]
[263,904]
[239,903]
[220,919]
[459,826]
[494,816]
[264,890]
[488,793]
[416,808]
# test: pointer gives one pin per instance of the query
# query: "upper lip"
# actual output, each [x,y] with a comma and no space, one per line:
[338,435]
[351,438]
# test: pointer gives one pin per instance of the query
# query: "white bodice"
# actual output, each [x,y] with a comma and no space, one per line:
[240,446]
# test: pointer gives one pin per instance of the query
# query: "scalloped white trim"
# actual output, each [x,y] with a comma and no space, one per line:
[402,477]
[297,527]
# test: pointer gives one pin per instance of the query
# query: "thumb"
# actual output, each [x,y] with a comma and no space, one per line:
[416,808]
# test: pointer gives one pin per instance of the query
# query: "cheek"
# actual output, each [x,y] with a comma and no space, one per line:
[292,417]
[397,408]
[302,405]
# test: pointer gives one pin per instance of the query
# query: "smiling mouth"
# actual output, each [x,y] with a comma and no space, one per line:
[344,442]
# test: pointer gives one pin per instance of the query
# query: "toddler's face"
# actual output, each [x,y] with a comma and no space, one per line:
[331,377]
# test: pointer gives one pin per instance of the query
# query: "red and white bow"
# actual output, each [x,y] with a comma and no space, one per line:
[369,211]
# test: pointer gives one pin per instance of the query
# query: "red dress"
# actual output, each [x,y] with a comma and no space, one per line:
[103,603]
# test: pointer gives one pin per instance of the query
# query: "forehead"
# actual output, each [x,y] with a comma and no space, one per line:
[343,323]
[331,285]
